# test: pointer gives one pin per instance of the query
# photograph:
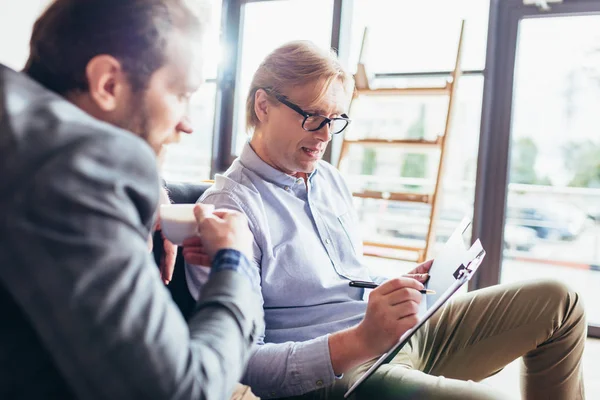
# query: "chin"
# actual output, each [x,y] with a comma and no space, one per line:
[306,168]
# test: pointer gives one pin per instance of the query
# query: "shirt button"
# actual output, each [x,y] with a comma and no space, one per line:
[327,241]
[319,382]
[287,188]
[299,181]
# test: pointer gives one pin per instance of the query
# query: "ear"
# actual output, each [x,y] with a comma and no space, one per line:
[261,105]
[107,82]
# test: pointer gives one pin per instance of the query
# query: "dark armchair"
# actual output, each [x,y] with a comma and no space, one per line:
[180,193]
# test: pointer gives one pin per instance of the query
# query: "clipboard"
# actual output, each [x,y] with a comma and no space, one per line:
[445,262]
[462,274]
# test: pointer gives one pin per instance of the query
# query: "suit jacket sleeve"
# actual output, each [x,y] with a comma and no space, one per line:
[83,275]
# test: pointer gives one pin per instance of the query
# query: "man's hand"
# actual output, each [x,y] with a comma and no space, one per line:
[194,253]
[167,260]
[421,272]
[392,310]
[169,253]
[223,229]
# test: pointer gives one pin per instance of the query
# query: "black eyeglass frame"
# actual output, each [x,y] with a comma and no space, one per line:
[326,120]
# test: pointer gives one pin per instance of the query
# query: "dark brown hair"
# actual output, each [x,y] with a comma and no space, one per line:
[71,32]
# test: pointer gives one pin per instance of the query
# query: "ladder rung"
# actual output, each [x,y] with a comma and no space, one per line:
[394,196]
[415,91]
[396,142]
[393,246]
[394,257]
[394,252]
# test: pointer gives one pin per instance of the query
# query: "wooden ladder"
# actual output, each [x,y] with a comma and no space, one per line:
[363,88]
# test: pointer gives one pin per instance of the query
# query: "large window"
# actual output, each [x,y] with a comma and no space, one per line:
[413,43]
[190,160]
[539,163]
[419,36]
[552,224]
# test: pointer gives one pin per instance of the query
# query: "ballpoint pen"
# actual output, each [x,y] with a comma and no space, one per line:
[373,285]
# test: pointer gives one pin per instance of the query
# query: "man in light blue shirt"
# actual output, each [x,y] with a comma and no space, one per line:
[320,334]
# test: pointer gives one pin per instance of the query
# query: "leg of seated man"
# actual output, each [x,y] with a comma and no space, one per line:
[477,335]
[399,380]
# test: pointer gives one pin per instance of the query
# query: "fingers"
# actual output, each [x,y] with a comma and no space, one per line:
[194,253]
[403,295]
[193,241]
[423,278]
[223,229]
[164,271]
[227,214]
[405,309]
[235,219]
[423,268]
[170,257]
[221,213]
[167,265]
[406,323]
[202,211]
[396,284]
[197,259]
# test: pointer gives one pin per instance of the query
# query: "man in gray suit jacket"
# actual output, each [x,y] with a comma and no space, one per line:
[84,313]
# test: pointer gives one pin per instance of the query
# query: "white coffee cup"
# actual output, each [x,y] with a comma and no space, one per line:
[178,222]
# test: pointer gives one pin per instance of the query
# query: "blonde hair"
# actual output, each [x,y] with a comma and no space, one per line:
[294,64]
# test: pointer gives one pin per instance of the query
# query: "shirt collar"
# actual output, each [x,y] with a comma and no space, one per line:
[253,162]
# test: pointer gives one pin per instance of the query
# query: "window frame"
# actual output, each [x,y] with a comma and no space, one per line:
[491,188]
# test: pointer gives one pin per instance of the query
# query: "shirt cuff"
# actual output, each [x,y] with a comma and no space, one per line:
[313,364]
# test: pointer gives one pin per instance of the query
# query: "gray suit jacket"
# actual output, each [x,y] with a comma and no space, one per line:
[83,311]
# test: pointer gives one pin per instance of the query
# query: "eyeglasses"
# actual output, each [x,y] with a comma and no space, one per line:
[314,122]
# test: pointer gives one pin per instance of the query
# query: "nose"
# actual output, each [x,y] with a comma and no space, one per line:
[185,126]
[324,134]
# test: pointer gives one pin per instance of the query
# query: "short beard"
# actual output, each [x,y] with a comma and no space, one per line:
[137,119]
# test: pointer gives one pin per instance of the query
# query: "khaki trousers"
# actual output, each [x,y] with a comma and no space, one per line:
[475,336]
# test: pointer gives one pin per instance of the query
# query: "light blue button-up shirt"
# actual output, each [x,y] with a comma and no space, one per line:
[307,247]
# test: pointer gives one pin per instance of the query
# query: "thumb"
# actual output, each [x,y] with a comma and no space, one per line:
[202,211]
